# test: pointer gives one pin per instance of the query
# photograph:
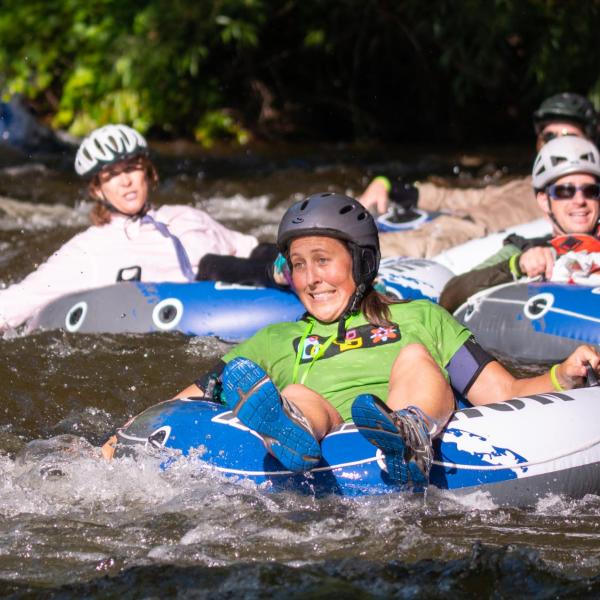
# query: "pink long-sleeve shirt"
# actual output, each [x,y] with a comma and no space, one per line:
[94,257]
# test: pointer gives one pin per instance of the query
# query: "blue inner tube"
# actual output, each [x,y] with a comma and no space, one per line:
[228,311]
[517,450]
[534,321]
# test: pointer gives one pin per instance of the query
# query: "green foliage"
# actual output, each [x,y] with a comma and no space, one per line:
[219,124]
[214,69]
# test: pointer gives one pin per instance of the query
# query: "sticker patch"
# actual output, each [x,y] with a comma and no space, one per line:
[365,336]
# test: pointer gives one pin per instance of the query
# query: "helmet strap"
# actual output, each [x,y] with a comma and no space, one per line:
[553,217]
[350,309]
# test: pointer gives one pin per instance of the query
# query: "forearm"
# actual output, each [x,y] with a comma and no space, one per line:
[458,289]
[496,384]
[531,385]
[208,385]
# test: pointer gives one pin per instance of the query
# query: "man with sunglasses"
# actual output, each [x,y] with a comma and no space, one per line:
[475,212]
[566,181]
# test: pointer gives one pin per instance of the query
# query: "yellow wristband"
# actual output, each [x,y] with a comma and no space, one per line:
[554,379]
[513,265]
[386,182]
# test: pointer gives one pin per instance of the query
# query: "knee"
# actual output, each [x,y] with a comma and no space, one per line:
[293,391]
[414,353]
[322,415]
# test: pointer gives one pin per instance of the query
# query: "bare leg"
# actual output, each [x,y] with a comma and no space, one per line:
[284,429]
[416,380]
[319,413]
[420,402]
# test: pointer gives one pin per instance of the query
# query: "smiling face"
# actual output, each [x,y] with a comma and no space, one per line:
[124,185]
[322,276]
[577,215]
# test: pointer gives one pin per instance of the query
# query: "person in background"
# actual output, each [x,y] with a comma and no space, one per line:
[129,239]
[390,366]
[475,212]
[566,183]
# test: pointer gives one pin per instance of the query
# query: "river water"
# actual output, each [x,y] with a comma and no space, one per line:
[75,526]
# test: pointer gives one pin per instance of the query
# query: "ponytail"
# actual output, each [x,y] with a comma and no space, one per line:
[375,307]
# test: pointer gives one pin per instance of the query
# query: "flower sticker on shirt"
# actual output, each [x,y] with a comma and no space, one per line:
[312,345]
[383,334]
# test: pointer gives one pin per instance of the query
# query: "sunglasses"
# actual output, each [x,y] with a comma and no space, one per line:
[551,135]
[567,191]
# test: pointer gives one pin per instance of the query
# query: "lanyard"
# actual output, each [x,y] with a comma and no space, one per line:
[182,256]
[316,356]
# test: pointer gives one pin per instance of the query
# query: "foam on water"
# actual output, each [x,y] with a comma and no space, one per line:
[29,216]
[61,503]
[207,348]
[258,212]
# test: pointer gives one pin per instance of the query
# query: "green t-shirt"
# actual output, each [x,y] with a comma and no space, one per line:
[361,364]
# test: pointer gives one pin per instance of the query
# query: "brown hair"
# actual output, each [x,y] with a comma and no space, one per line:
[100,213]
[375,307]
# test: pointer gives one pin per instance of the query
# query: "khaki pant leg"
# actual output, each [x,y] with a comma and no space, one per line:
[434,237]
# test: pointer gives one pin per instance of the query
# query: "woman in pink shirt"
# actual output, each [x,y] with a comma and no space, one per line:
[128,239]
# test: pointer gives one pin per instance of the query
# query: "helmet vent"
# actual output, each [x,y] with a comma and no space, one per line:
[346,209]
[304,205]
[555,160]
[588,156]
[113,143]
[362,216]
[99,146]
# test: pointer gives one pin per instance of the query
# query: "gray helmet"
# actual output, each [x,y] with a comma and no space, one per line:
[339,216]
[567,107]
[108,145]
[563,156]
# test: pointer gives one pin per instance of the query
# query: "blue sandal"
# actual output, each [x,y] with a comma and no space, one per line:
[255,401]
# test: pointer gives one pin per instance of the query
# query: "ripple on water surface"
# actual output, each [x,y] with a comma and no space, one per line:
[82,517]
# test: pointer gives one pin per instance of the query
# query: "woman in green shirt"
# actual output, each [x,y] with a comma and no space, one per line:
[390,366]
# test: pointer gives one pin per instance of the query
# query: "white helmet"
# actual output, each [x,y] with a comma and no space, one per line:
[108,145]
[563,156]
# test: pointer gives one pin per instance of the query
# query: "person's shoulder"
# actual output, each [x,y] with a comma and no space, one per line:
[84,237]
[422,310]
[275,333]
[174,211]
[283,328]
[421,305]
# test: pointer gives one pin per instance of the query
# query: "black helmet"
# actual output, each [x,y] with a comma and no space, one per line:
[570,107]
[337,216]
